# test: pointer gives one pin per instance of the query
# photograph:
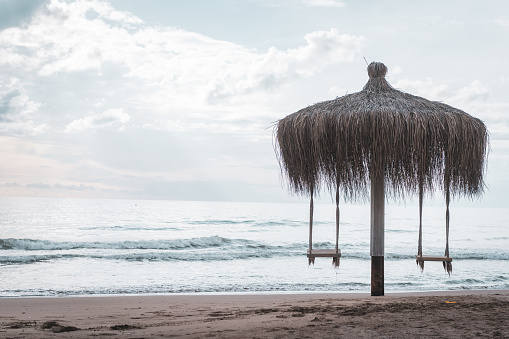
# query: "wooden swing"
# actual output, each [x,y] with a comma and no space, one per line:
[335,254]
[446,259]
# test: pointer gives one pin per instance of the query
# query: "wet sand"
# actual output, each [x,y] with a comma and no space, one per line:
[451,314]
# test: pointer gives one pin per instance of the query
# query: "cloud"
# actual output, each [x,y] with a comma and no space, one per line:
[66,37]
[17,110]
[476,91]
[25,161]
[85,67]
[440,21]
[324,3]
[85,56]
[106,11]
[270,70]
[188,65]
[310,3]
[111,118]
[426,88]
[474,98]
[17,12]
[504,22]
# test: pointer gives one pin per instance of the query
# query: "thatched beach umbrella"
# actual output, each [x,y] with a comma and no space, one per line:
[396,143]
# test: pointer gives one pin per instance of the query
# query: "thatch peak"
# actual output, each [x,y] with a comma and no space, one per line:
[377,82]
[377,70]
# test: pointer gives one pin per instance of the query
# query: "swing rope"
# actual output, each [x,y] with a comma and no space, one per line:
[447,264]
[311,260]
[335,260]
[419,248]
[420,261]
[312,254]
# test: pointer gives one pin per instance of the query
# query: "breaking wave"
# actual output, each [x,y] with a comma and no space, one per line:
[214,248]
[173,244]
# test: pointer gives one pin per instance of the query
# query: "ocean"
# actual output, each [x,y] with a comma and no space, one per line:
[79,247]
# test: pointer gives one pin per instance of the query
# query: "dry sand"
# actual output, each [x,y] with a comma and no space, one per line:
[452,314]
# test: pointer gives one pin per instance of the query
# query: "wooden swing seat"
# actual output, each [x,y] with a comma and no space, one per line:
[433,258]
[324,253]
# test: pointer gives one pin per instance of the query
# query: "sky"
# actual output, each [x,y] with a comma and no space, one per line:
[166,99]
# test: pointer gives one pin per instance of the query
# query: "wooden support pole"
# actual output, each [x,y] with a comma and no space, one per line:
[377,235]
[377,276]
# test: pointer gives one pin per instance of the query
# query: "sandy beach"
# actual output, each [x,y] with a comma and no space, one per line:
[451,314]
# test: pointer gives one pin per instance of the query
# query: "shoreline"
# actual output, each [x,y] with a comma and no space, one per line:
[345,294]
[458,313]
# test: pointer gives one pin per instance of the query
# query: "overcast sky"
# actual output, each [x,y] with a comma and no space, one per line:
[176,99]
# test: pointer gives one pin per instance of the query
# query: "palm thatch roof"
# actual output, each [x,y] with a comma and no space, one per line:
[380,131]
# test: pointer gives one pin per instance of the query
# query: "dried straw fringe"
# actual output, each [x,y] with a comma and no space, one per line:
[378,130]
[447,265]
